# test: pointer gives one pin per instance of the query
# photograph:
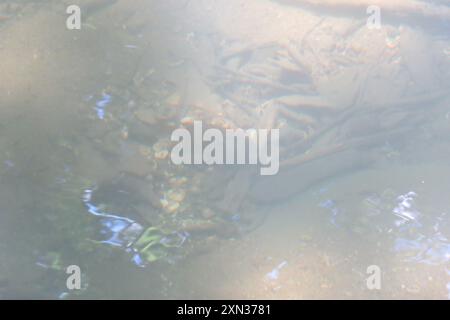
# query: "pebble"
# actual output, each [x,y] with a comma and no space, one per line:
[146,116]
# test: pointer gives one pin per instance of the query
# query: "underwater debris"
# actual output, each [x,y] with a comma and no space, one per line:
[404,210]
[332,206]
[275,273]
[51,260]
[154,243]
[101,104]
[145,245]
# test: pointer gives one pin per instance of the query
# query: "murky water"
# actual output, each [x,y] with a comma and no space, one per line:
[87,177]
